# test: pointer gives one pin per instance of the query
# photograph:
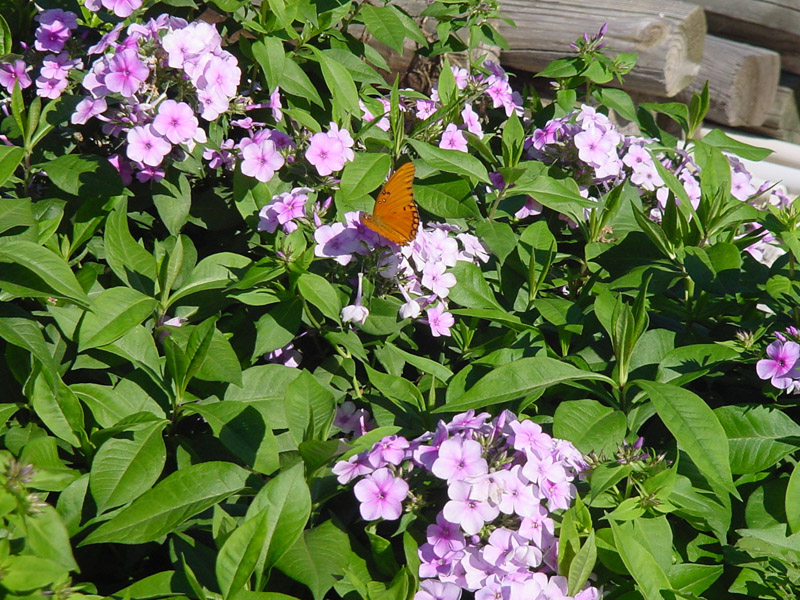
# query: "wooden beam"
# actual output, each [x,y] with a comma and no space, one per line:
[783,117]
[773,24]
[668,36]
[742,81]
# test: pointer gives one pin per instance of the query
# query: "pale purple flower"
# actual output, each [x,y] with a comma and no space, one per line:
[146,173]
[453,139]
[529,209]
[275,104]
[444,536]
[538,527]
[175,121]
[261,160]
[220,77]
[391,450]
[50,88]
[288,356]
[425,108]
[432,589]
[345,138]
[58,67]
[594,146]
[88,108]
[67,18]
[469,511]
[123,167]
[529,436]
[222,157]
[357,312]
[459,459]
[543,469]
[283,209]
[367,115]
[472,121]
[435,279]
[558,494]
[122,8]
[352,468]
[336,241]
[51,37]
[146,146]
[352,420]
[518,495]
[126,73]
[12,72]
[381,495]
[326,153]
[212,105]
[547,135]
[780,366]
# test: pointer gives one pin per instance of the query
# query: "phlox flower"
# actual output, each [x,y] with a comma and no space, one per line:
[469,511]
[50,88]
[288,356]
[780,366]
[175,121]
[220,77]
[146,146]
[529,209]
[518,495]
[336,241]
[352,420]
[472,121]
[546,135]
[431,589]
[12,72]
[391,450]
[356,313]
[381,495]
[122,8]
[425,108]
[88,108]
[459,459]
[58,67]
[345,138]
[453,139]
[275,104]
[352,468]
[444,536]
[261,160]
[283,209]
[222,157]
[367,115]
[326,153]
[558,494]
[540,470]
[126,73]
[51,37]
[67,18]
[440,320]
[538,527]
[594,146]
[435,279]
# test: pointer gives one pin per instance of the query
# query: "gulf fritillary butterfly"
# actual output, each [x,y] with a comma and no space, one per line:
[395,215]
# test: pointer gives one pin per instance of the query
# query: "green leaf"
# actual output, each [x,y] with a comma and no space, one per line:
[60,411]
[792,500]
[294,81]
[471,289]
[37,272]
[5,37]
[172,501]
[401,391]
[693,578]
[589,425]
[582,565]
[696,429]
[451,161]
[15,212]
[721,140]
[173,202]
[217,271]
[269,53]
[287,502]
[384,24]
[364,174]
[47,537]
[759,436]
[130,262]
[113,313]
[245,428]
[642,566]
[318,292]
[515,380]
[128,465]
[340,83]
[238,557]
[318,559]
[23,573]
[10,157]
[561,195]
[18,327]
[84,175]
[426,365]
[309,408]
[617,100]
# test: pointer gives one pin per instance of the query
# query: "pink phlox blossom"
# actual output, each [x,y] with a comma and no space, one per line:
[381,495]
[425,108]
[433,565]
[594,146]
[437,280]
[439,320]
[288,356]
[51,37]
[472,121]
[58,67]
[431,589]
[336,241]
[391,450]
[367,115]
[461,76]
[459,459]
[529,209]
[146,146]
[12,72]
[473,249]
[222,157]
[275,105]
[558,493]
[353,421]
[212,105]
[779,368]
[146,173]
[283,209]
[538,527]
[518,494]
[220,77]
[122,8]
[261,160]
[543,469]
[175,121]
[326,153]
[88,108]
[50,88]
[444,536]
[426,454]
[529,436]
[345,138]
[547,135]
[67,18]
[352,468]
[125,73]
[589,117]
[453,139]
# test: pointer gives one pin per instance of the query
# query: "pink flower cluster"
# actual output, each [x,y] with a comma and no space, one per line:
[493,533]
[420,269]
[781,366]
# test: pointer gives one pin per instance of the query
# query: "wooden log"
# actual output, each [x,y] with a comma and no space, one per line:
[783,117]
[742,81]
[773,24]
[668,36]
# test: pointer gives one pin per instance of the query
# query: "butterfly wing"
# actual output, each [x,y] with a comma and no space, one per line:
[395,215]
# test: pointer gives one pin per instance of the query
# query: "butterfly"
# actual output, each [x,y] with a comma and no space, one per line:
[395,215]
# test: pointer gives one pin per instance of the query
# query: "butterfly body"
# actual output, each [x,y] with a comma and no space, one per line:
[395,215]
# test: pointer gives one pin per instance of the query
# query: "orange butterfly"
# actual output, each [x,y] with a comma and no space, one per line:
[395,215]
